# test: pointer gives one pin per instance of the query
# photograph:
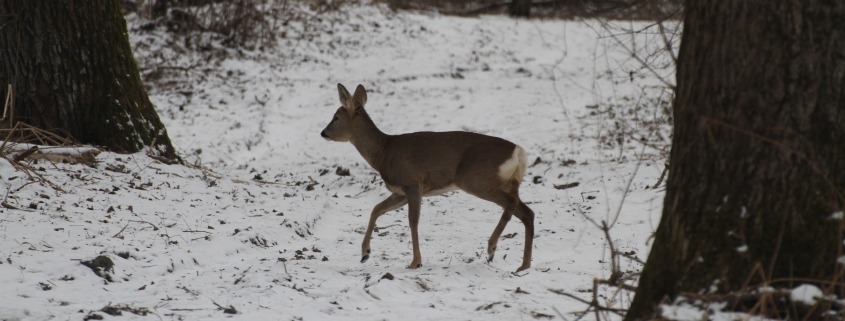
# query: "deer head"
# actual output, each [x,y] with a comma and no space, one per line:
[348,117]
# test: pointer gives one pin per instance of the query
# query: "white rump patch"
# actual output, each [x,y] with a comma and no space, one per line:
[513,167]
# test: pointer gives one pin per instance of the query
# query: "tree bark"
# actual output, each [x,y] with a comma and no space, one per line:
[520,8]
[757,167]
[72,69]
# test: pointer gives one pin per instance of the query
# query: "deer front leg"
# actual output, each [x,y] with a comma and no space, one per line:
[526,215]
[392,202]
[414,203]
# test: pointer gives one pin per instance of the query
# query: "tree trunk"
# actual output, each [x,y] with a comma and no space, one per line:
[520,8]
[72,69]
[757,168]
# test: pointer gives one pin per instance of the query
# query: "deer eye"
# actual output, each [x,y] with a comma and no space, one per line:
[334,119]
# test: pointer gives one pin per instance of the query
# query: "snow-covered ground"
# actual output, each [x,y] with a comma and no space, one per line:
[268,229]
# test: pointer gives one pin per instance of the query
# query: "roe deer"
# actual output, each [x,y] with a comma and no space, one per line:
[421,164]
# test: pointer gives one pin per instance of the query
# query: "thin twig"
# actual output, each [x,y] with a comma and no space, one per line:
[8,111]
[620,312]
[121,231]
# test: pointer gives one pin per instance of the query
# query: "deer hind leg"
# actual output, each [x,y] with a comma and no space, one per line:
[508,208]
[526,215]
[392,202]
[504,199]
[508,198]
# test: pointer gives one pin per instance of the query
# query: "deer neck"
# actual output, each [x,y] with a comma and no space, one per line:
[369,141]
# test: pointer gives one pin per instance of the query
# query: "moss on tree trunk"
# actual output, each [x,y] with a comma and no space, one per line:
[758,152]
[72,70]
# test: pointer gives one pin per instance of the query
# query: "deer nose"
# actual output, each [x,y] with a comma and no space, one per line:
[323,133]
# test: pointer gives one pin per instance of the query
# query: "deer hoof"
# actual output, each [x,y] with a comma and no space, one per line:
[414,266]
[490,257]
[522,268]
[365,258]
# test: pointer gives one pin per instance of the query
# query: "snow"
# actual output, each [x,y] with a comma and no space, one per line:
[682,312]
[268,228]
[806,293]
[8,173]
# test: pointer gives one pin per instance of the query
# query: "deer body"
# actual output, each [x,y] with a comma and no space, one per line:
[419,164]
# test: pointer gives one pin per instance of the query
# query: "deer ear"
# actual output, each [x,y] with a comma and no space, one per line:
[344,95]
[360,97]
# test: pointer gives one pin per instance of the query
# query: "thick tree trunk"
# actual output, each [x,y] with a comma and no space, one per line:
[520,8]
[757,168]
[72,69]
